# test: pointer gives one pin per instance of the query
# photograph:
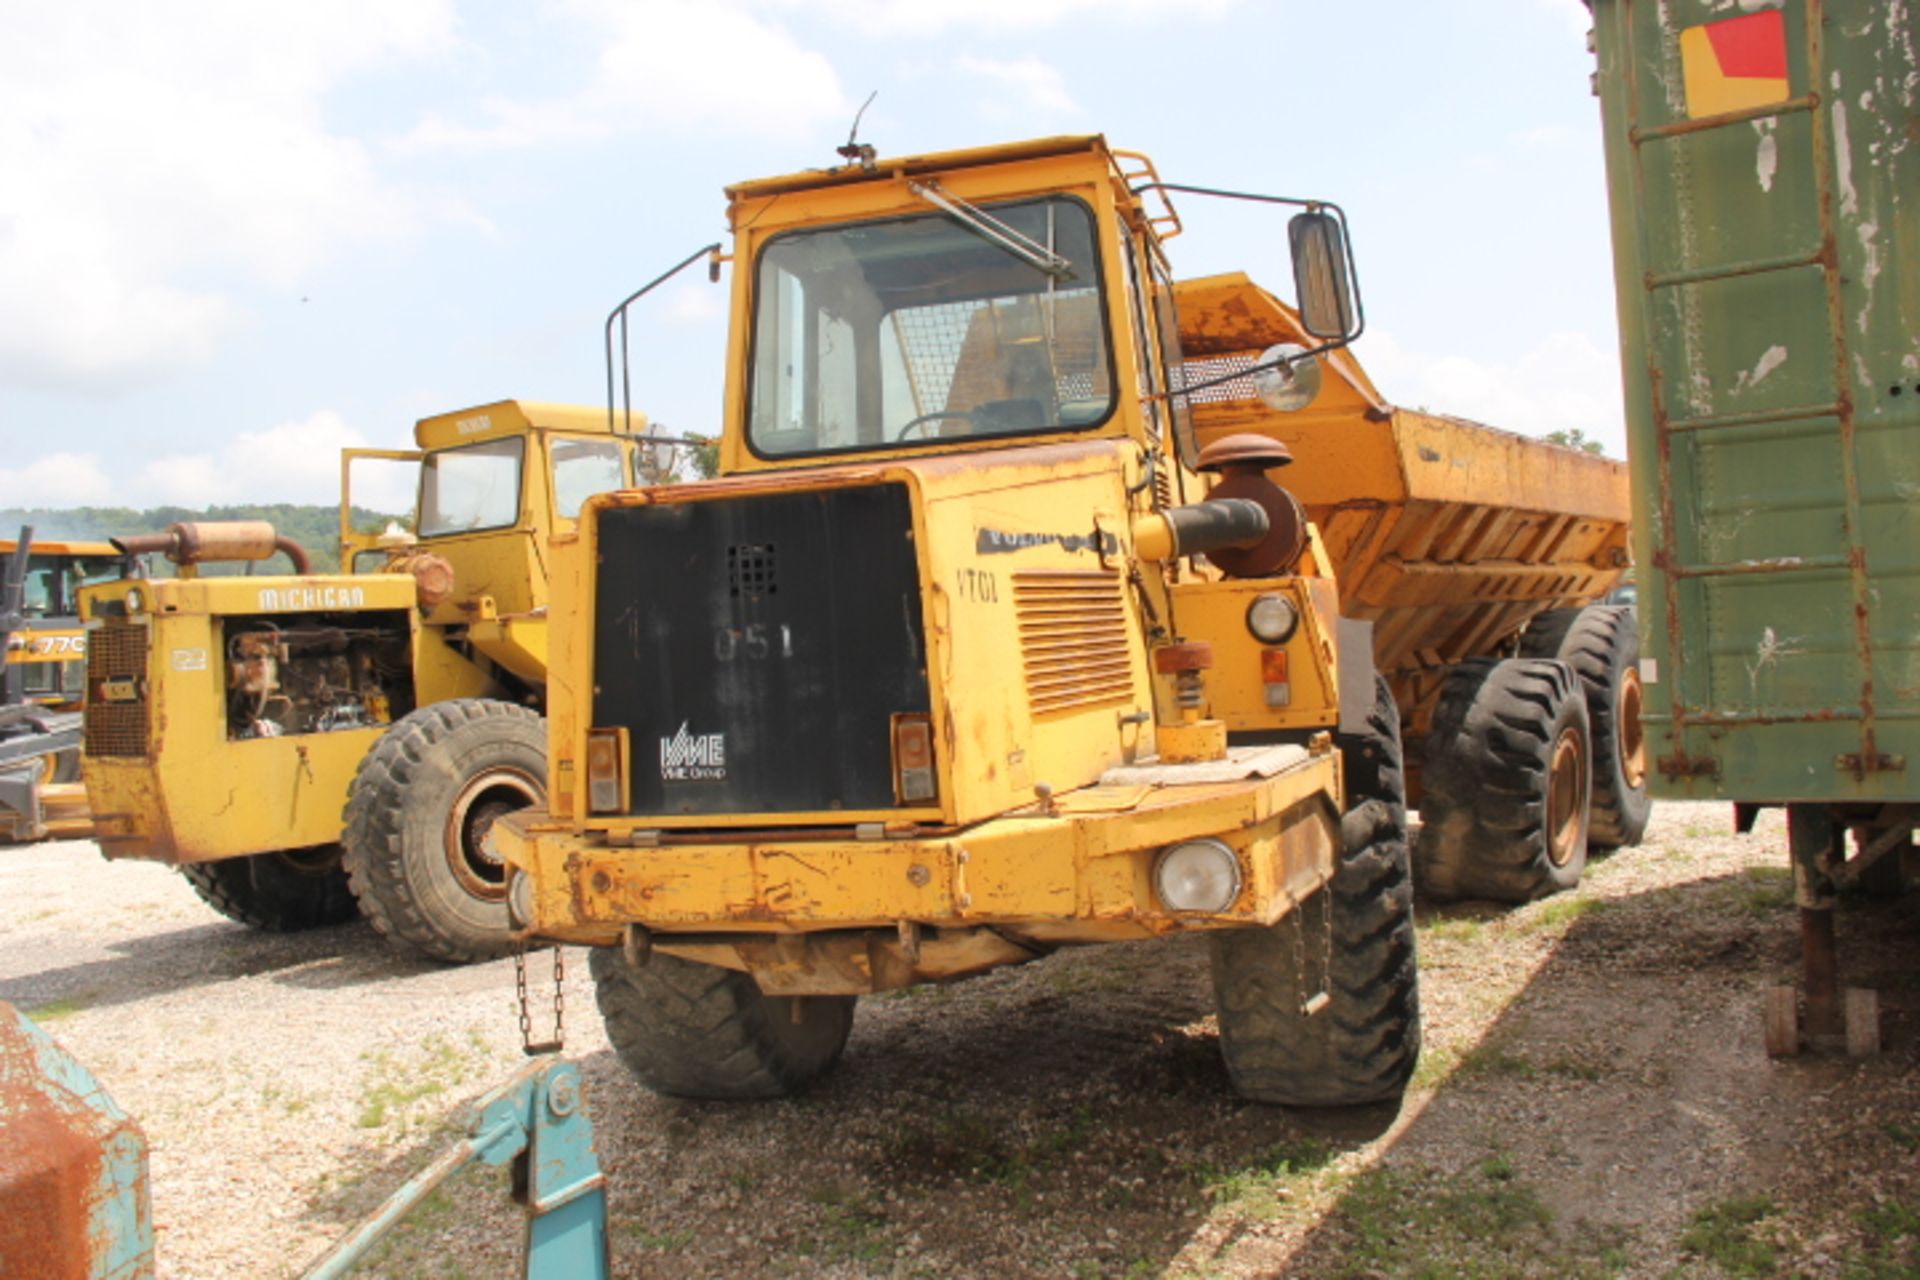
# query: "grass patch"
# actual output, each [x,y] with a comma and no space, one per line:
[853,1229]
[1461,929]
[1489,1059]
[1559,912]
[1084,978]
[1434,1067]
[1484,1223]
[1724,1235]
[64,1007]
[1587,1069]
[963,1145]
[659,1241]
[1763,891]
[1893,1243]
[1258,1187]
[417,1244]
[394,1084]
[1905,1136]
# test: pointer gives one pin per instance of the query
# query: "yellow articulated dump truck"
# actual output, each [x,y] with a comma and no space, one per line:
[1475,555]
[933,678]
[998,633]
[303,746]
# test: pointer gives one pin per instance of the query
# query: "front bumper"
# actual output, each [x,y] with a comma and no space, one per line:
[1082,873]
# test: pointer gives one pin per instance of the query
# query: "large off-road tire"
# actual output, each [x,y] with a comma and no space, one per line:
[1353,940]
[416,819]
[280,892]
[1602,645]
[698,1031]
[1507,776]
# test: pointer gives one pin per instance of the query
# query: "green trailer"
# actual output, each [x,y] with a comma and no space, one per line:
[1763,160]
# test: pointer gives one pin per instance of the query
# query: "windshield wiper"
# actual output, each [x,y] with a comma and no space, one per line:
[1029,251]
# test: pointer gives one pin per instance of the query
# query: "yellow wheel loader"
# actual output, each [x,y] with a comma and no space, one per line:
[43,672]
[303,746]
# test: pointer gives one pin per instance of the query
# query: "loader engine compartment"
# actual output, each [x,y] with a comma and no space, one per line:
[315,672]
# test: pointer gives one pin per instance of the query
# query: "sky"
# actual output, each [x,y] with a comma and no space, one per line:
[237,236]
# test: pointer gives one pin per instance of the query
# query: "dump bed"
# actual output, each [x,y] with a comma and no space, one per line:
[1764,174]
[1446,534]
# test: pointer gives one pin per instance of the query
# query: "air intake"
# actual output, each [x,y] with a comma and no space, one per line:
[1073,639]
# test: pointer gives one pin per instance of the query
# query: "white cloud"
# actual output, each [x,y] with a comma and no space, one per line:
[926,17]
[1564,382]
[1541,136]
[1037,87]
[290,462]
[668,65]
[56,480]
[700,303]
[149,149]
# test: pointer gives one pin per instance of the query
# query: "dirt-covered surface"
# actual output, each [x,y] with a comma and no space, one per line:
[1593,1099]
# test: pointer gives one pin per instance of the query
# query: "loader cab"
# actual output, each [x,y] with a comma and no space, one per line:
[494,483]
[50,649]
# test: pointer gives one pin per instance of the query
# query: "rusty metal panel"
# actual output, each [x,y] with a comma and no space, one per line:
[1764,170]
[73,1167]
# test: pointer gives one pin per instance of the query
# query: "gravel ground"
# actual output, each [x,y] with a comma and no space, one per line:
[1593,1099]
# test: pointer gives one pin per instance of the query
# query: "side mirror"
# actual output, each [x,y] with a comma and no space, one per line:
[1320,275]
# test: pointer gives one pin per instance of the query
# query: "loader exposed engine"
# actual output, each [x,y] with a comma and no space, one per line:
[318,675]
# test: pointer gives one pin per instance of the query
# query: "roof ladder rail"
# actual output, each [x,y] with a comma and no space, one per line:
[1671,433]
[1680,128]
[1749,568]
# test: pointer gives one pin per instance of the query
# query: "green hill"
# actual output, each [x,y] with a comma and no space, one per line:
[316,528]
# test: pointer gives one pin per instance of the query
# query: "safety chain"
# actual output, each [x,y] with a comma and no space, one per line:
[532,1048]
[1301,983]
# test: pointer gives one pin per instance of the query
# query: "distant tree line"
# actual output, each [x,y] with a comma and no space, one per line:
[317,528]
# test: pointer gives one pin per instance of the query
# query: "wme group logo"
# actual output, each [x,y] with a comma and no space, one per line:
[691,757]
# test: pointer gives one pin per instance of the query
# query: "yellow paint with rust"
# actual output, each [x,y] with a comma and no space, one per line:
[1071,876]
[1236,687]
[196,795]
[500,576]
[1023,836]
[1447,534]
[189,794]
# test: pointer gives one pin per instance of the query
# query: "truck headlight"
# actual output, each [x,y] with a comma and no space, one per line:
[1272,618]
[519,898]
[1197,875]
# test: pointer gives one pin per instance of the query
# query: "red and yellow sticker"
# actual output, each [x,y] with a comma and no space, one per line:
[1735,64]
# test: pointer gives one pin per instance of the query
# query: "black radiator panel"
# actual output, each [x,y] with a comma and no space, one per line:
[756,649]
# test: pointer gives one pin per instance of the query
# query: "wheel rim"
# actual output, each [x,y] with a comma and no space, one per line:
[1566,796]
[482,802]
[1627,731]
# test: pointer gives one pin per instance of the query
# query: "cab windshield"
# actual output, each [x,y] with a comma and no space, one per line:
[921,329]
[471,488]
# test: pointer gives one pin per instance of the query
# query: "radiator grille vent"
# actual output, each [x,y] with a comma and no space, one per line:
[117,651]
[750,570]
[1073,639]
